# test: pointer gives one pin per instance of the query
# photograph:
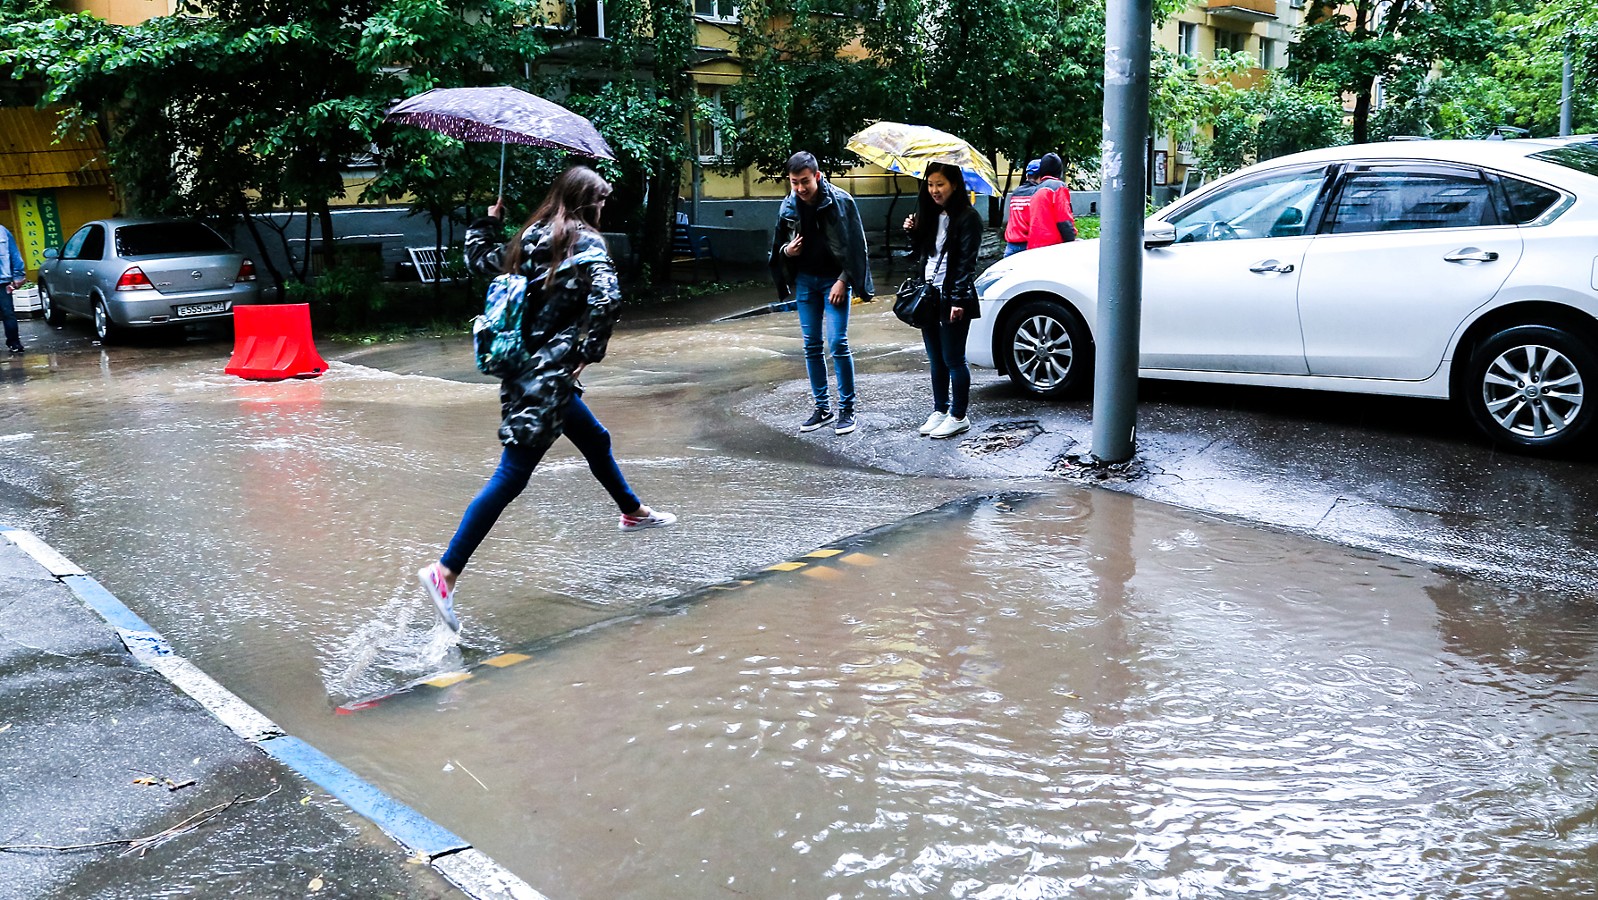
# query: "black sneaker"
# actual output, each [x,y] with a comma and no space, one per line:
[845,422]
[15,348]
[817,419]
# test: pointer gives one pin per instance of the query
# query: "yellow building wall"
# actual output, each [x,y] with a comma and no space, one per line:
[123,12]
[74,206]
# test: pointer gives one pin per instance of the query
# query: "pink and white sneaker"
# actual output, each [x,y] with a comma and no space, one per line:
[655,519]
[432,579]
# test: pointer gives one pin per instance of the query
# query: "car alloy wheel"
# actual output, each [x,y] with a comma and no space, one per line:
[1529,387]
[52,314]
[105,331]
[1047,351]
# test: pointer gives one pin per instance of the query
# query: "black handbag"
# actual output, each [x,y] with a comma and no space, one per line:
[917,303]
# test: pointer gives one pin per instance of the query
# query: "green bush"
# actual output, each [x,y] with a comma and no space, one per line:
[342,298]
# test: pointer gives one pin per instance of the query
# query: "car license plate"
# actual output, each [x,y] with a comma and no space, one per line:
[201,309]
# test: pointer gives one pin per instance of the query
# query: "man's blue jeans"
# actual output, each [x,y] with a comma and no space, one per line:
[822,321]
[516,466]
[8,312]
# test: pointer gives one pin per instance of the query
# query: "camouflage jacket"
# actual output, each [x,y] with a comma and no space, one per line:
[567,323]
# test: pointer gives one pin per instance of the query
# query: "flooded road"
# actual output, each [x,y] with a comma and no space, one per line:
[1084,695]
[1072,693]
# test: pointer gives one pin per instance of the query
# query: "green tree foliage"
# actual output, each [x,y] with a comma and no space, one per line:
[227,107]
[1273,118]
[232,108]
[412,46]
[1351,45]
[815,73]
[1518,84]
[1017,77]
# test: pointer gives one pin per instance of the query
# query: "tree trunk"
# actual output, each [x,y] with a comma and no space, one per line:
[1362,112]
[654,251]
[266,257]
[324,217]
[438,248]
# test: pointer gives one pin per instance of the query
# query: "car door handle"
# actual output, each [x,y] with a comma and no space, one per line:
[1471,254]
[1271,265]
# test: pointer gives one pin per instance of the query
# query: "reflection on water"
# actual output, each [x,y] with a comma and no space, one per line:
[1085,696]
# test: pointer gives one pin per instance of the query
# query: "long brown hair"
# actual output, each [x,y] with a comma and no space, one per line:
[571,205]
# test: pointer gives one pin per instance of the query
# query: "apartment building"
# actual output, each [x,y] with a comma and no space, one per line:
[1264,29]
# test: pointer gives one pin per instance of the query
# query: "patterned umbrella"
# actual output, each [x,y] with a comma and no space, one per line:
[908,148]
[502,114]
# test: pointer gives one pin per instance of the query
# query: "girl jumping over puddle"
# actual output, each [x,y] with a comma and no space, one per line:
[572,303]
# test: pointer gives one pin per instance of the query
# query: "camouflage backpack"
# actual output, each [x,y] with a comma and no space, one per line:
[497,336]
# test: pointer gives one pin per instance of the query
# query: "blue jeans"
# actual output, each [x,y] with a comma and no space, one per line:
[8,312]
[516,466]
[818,319]
[945,343]
[1011,248]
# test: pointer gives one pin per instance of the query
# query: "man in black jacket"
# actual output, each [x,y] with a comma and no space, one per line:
[819,255]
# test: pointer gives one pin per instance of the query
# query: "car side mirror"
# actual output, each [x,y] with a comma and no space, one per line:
[52,253]
[1158,234]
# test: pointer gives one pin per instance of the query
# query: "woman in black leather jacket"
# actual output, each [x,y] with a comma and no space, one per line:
[945,234]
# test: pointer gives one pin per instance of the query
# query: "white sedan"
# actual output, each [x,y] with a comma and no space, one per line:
[1463,270]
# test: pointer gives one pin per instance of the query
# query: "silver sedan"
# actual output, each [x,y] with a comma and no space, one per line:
[141,273]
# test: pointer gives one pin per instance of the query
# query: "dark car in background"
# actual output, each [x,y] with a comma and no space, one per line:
[145,273]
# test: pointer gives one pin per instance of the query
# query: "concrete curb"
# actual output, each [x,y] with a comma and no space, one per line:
[470,870]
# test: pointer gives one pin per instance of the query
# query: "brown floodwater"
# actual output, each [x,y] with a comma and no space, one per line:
[1072,693]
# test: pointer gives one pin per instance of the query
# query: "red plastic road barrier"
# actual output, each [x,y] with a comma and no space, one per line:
[273,342]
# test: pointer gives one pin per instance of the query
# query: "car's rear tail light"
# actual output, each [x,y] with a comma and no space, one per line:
[246,271]
[134,279]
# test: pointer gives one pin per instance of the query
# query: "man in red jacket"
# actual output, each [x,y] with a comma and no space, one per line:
[1016,218]
[1050,211]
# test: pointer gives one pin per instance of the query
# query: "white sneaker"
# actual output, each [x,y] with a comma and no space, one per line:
[432,579]
[932,423]
[656,519]
[950,427]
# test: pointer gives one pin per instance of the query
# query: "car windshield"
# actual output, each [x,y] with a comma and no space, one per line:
[1581,156]
[167,239]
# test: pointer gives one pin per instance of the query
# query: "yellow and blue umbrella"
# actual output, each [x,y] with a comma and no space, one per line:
[906,149]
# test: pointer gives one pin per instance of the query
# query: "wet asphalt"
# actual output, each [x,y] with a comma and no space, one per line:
[85,729]
[115,784]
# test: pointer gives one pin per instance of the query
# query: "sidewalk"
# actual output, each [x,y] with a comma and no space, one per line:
[98,749]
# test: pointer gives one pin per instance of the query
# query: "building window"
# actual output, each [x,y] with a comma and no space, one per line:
[592,19]
[721,10]
[1187,39]
[1267,54]
[709,140]
[1230,41]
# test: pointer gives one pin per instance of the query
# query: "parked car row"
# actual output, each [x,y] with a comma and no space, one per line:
[142,273]
[1462,270]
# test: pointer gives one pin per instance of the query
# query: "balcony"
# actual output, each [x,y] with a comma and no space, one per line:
[1242,10]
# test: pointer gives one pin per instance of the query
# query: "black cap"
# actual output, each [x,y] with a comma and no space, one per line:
[1051,166]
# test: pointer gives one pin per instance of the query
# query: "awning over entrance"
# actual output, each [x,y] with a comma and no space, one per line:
[32,159]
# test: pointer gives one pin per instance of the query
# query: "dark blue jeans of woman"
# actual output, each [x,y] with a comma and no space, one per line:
[945,343]
[516,466]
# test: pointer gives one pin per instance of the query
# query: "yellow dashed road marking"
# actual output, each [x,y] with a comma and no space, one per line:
[444,681]
[785,567]
[506,659]
[824,553]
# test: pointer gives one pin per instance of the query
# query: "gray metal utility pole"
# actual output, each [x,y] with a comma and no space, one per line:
[1128,27]
[1566,97]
